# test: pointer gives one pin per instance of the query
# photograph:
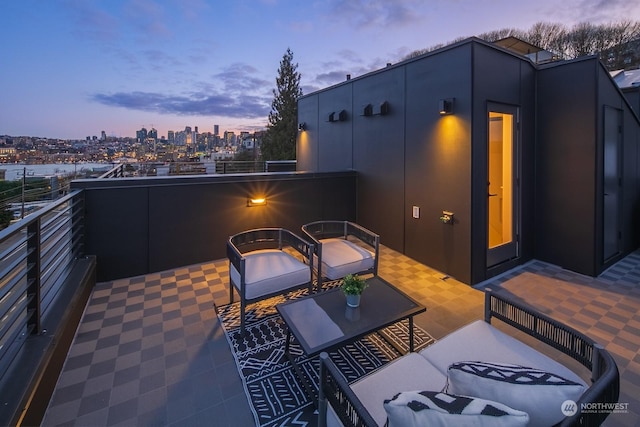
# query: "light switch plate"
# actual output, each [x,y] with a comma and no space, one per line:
[416,212]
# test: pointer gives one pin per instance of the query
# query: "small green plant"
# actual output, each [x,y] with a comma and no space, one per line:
[353,285]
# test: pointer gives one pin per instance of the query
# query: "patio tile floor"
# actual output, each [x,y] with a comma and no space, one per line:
[150,350]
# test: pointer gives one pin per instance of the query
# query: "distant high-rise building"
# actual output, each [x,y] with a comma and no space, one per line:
[229,137]
[216,130]
[188,137]
[103,136]
[171,137]
[153,133]
[141,135]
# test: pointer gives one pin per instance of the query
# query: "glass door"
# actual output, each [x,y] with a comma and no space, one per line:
[502,184]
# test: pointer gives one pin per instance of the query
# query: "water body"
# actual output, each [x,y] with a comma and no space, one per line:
[14,171]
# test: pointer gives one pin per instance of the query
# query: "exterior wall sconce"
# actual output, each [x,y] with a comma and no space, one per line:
[302,127]
[256,201]
[381,110]
[384,108]
[339,117]
[447,217]
[445,106]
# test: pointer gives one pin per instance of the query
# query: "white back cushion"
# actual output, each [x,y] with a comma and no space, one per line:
[481,341]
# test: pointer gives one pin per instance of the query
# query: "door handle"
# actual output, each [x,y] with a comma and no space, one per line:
[492,195]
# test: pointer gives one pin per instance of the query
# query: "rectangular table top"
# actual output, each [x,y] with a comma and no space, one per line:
[323,321]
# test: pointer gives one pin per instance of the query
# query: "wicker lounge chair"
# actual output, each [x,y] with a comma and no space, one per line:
[341,248]
[262,265]
[496,369]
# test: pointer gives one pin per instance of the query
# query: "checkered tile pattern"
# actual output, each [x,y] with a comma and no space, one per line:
[150,349]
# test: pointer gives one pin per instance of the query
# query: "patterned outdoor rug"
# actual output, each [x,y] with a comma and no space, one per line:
[276,396]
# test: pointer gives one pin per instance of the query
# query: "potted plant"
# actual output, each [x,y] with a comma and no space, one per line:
[352,286]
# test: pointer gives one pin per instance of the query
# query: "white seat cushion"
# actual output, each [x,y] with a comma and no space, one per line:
[341,257]
[269,271]
[481,341]
[409,372]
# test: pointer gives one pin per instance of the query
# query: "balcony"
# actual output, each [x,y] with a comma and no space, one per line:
[148,349]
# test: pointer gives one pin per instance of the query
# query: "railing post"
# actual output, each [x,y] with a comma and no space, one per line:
[33,277]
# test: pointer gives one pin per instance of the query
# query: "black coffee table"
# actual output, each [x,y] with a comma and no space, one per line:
[323,321]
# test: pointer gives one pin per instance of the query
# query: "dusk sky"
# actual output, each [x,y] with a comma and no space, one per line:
[73,68]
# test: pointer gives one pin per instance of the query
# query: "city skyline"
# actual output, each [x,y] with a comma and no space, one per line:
[73,69]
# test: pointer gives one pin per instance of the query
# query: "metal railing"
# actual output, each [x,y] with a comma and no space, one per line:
[115,172]
[199,168]
[37,254]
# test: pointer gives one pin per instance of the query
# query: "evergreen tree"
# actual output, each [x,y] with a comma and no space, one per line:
[279,142]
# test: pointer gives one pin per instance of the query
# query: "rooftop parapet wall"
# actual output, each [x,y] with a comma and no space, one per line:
[142,225]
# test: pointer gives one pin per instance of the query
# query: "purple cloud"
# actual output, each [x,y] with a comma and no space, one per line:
[246,107]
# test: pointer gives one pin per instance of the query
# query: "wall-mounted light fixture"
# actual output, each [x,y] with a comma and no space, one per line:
[447,217]
[256,201]
[302,127]
[338,117]
[445,106]
[367,110]
[384,108]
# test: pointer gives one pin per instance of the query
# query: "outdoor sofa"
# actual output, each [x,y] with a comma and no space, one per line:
[478,369]
[266,262]
[342,248]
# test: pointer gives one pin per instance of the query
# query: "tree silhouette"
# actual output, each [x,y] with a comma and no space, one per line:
[615,42]
[279,142]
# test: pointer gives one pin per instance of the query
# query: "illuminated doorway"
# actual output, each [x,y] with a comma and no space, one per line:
[502,184]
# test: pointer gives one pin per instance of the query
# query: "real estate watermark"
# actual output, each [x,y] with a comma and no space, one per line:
[569,408]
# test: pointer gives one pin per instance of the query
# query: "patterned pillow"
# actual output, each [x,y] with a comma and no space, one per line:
[536,392]
[432,408]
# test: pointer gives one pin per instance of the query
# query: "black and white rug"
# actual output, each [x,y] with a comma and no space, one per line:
[275,394]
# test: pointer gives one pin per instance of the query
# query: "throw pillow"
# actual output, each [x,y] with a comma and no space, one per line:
[536,392]
[432,408]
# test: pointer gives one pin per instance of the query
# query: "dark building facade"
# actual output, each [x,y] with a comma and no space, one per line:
[472,159]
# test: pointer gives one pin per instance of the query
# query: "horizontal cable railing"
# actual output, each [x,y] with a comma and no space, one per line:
[37,254]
